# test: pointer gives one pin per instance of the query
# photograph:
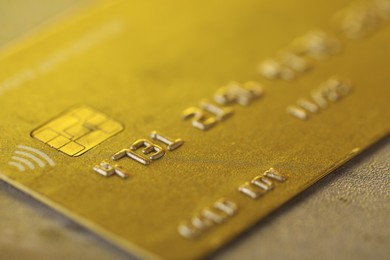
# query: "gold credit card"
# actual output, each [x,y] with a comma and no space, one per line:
[171,127]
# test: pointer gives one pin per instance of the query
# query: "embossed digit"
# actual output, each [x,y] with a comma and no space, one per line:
[153,150]
[106,169]
[199,119]
[241,94]
[203,121]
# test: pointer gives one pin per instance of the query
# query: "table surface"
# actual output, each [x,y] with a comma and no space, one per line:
[345,215]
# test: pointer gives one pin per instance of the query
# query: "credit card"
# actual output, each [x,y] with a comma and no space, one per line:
[170,128]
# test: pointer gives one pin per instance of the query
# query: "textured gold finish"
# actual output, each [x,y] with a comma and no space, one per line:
[144,64]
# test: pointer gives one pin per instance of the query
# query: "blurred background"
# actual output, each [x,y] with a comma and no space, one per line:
[345,215]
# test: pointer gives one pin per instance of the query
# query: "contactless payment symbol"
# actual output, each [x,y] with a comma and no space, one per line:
[77,131]
[26,157]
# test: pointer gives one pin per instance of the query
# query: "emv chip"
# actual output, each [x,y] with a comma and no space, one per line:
[77,131]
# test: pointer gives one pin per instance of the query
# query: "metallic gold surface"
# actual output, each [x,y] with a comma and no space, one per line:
[305,152]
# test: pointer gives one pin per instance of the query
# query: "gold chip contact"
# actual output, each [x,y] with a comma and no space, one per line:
[77,130]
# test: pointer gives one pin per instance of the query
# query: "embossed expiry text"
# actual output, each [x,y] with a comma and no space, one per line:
[208,218]
[262,184]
